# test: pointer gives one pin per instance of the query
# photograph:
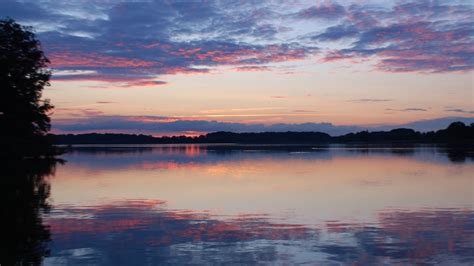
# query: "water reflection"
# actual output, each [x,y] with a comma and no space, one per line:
[126,155]
[241,205]
[434,236]
[146,232]
[24,192]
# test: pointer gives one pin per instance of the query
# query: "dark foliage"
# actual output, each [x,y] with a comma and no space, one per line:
[96,138]
[24,73]
[216,137]
[268,137]
[400,134]
[457,132]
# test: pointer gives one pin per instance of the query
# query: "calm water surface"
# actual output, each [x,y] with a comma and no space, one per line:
[148,205]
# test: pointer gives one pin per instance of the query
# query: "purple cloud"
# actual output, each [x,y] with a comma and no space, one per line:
[162,124]
[142,41]
[459,110]
[370,100]
[325,10]
[410,109]
[422,36]
[337,32]
[414,109]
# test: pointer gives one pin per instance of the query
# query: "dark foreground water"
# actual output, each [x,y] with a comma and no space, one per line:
[149,205]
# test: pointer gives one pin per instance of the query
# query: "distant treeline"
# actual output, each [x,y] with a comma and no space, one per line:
[456,132]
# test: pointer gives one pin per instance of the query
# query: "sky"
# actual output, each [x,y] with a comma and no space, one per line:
[191,67]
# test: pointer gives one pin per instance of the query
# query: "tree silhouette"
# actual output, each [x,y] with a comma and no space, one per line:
[24,73]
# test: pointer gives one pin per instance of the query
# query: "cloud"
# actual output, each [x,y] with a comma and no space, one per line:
[79,112]
[252,68]
[163,124]
[65,60]
[337,32]
[370,100]
[459,110]
[157,124]
[332,56]
[303,111]
[412,109]
[422,36]
[142,41]
[143,83]
[326,10]
[125,80]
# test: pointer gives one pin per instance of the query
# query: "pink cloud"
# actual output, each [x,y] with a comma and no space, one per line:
[252,69]
[335,56]
[143,83]
[79,60]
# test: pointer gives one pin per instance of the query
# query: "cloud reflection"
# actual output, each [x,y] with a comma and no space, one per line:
[146,231]
[431,236]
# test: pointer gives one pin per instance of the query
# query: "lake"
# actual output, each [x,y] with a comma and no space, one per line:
[225,204]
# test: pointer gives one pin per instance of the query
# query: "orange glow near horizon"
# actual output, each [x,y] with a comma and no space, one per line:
[330,98]
[271,185]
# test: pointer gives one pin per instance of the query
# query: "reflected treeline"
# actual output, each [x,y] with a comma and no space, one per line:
[24,192]
[190,149]
[454,153]
[124,156]
[145,232]
[458,154]
[108,150]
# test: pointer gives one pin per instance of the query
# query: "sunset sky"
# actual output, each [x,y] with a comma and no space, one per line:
[189,67]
